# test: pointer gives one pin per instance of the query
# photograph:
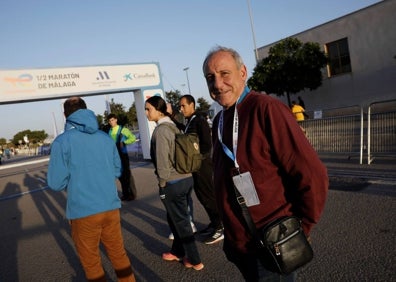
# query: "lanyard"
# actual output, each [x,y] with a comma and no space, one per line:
[188,124]
[235,127]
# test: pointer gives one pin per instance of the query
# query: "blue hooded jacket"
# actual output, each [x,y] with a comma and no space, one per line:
[84,161]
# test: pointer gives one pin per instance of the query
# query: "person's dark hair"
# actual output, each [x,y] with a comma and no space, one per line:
[111,116]
[189,98]
[73,104]
[159,104]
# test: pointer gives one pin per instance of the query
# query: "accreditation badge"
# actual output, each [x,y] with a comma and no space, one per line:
[244,183]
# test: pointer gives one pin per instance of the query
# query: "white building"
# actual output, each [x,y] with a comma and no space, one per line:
[362,50]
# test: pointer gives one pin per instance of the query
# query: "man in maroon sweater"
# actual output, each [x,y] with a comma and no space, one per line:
[256,134]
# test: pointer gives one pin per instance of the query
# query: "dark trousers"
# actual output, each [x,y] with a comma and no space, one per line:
[204,189]
[174,197]
[126,179]
[252,268]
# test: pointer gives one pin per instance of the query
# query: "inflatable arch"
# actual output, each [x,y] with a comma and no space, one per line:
[144,80]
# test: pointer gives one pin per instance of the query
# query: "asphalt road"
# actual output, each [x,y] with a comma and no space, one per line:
[354,241]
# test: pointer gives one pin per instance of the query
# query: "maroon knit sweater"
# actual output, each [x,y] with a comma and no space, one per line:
[287,173]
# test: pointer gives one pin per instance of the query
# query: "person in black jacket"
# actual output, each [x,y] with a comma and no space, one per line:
[203,179]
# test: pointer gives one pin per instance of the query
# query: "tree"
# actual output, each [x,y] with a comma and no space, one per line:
[101,120]
[3,141]
[119,111]
[34,137]
[173,97]
[132,116]
[202,105]
[290,67]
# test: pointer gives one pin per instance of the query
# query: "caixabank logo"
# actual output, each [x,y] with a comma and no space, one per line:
[144,75]
[140,78]
[127,77]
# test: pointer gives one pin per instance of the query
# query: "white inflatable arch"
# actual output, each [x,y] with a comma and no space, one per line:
[144,80]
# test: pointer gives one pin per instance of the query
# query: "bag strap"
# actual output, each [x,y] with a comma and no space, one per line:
[118,138]
[188,124]
[248,219]
[172,127]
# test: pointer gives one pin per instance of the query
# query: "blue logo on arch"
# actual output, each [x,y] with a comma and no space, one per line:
[127,77]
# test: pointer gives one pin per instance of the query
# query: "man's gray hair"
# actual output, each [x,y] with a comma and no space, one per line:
[216,49]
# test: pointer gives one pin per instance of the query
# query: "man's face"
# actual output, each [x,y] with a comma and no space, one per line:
[186,109]
[113,122]
[225,81]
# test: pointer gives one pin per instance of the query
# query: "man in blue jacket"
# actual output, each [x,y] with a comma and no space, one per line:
[85,162]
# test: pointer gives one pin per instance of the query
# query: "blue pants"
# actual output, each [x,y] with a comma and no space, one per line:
[174,196]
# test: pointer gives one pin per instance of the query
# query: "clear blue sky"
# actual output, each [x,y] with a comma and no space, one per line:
[175,33]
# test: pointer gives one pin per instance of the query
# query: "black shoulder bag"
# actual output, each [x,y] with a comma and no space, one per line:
[282,245]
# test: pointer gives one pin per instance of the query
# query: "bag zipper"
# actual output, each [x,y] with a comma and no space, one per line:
[276,245]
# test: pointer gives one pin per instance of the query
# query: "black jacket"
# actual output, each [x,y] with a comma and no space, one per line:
[200,126]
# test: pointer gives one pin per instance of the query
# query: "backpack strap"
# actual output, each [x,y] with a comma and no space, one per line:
[172,127]
[188,124]
[118,138]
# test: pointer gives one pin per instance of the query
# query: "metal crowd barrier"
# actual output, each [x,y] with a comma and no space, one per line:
[381,133]
[351,132]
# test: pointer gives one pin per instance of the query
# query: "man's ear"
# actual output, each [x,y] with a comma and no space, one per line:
[243,71]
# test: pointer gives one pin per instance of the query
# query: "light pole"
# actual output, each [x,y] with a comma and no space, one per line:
[188,81]
[251,25]
[183,85]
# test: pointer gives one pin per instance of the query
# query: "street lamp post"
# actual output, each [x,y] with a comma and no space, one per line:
[188,81]
[254,37]
[183,85]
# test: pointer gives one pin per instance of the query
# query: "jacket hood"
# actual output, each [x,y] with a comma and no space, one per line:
[83,120]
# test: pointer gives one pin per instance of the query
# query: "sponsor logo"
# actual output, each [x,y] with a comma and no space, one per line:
[136,76]
[22,80]
[103,80]
[103,75]
[127,77]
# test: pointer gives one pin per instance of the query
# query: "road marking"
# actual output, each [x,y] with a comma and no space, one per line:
[41,179]
[23,193]
[383,182]
[24,163]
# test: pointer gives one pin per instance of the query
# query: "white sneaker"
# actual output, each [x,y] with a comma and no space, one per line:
[217,236]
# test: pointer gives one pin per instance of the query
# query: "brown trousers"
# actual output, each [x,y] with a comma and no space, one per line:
[105,228]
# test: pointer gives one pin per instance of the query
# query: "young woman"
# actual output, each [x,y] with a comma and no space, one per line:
[173,186]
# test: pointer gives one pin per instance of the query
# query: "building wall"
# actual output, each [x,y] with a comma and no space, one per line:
[371,34]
